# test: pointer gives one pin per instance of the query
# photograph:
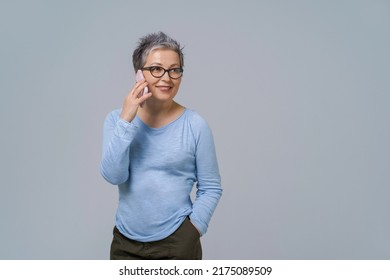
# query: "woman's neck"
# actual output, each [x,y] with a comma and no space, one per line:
[157,114]
[155,108]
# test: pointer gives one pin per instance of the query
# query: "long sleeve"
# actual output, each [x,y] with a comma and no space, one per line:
[117,137]
[209,188]
[156,169]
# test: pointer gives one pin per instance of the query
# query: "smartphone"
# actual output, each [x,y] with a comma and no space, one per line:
[138,77]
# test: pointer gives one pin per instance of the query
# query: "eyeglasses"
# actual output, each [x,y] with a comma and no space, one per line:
[158,72]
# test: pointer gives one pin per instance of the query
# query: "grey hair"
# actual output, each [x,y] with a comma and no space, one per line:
[154,41]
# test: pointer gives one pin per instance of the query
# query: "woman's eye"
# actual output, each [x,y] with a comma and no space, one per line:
[156,69]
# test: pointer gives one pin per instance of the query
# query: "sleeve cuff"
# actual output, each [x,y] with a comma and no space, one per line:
[202,227]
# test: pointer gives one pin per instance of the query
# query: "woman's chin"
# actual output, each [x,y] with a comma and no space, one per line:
[163,95]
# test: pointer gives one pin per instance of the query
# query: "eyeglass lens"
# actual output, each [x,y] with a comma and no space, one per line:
[158,72]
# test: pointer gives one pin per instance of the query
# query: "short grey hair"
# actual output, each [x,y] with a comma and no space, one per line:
[154,41]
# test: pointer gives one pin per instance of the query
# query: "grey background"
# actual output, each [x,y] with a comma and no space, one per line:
[296,92]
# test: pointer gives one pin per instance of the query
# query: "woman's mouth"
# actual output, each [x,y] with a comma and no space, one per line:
[164,88]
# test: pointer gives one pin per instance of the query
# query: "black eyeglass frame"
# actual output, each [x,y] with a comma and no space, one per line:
[165,70]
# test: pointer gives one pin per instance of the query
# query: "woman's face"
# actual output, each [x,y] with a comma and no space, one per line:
[164,88]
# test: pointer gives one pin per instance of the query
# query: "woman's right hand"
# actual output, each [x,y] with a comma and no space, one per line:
[133,101]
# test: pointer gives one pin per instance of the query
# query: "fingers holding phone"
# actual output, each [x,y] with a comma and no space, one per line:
[135,98]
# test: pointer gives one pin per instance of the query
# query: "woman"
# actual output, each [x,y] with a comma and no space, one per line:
[155,150]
